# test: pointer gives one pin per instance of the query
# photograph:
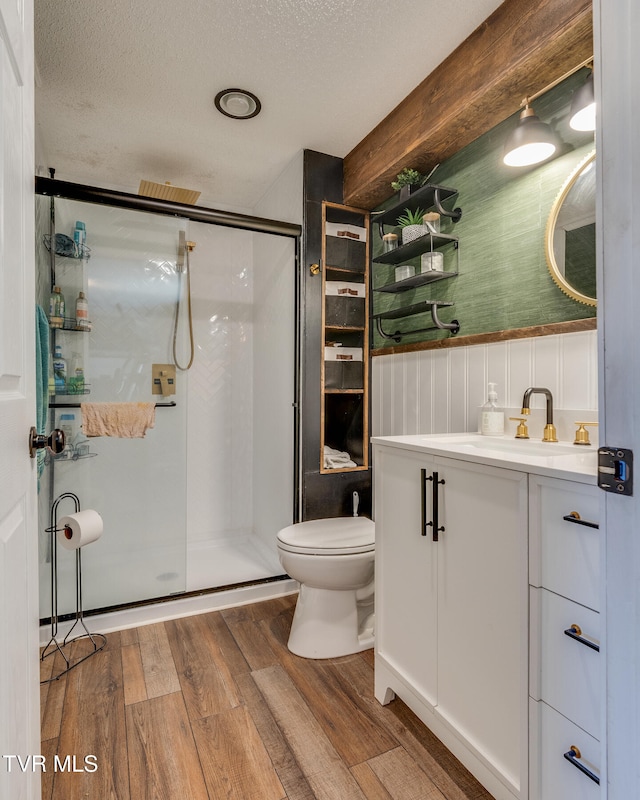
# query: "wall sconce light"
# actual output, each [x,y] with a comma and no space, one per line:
[533,141]
[583,107]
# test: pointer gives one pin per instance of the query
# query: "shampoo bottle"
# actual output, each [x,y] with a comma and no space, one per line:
[68,427]
[82,312]
[52,379]
[56,308]
[491,416]
[59,370]
[79,238]
[76,375]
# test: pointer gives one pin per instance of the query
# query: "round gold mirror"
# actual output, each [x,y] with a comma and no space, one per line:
[570,238]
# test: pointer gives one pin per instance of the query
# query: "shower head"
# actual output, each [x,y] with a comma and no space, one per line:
[165,191]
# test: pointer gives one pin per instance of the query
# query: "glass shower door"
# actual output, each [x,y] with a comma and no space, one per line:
[138,485]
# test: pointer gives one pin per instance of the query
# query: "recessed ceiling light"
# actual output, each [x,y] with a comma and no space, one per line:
[237,103]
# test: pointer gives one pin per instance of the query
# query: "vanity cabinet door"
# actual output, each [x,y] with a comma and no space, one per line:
[482,611]
[406,574]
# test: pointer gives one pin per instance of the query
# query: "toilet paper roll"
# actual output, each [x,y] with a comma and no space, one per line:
[79,529]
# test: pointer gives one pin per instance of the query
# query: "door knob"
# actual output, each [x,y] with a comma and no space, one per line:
[55,441]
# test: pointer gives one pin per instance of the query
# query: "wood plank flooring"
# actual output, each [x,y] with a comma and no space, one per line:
[214,707]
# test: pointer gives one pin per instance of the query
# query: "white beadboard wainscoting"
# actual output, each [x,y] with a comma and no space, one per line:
[439,391]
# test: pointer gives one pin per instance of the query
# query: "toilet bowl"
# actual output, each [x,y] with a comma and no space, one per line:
[332,560]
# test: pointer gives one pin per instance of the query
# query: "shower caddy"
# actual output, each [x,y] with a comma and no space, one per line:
[98,640]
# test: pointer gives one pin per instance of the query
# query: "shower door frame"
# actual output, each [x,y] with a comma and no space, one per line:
[50,187]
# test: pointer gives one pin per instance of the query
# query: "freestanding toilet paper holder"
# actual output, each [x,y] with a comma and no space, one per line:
[54,645]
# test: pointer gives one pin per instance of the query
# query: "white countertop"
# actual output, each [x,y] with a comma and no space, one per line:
[562,460]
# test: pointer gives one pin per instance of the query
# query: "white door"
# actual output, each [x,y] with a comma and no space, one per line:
[617,28]
[19,702]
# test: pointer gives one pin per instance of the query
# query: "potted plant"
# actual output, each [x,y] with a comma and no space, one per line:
[406,180]
[412,225]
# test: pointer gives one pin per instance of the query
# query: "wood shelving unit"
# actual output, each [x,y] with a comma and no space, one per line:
[344,424]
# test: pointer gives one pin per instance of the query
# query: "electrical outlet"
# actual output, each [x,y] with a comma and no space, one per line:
[163,379]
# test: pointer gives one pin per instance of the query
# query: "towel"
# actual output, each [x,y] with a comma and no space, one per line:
[42,380]
[336,459]
[126,420]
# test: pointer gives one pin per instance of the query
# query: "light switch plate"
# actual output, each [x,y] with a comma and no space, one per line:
[163,379]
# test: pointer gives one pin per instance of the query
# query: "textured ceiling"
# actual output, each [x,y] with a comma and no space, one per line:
[125,89]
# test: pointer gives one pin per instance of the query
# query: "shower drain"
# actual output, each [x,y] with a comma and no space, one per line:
[167,576]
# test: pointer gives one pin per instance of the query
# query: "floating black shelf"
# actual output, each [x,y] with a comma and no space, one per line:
[421,279]
[426,197]
[406,252]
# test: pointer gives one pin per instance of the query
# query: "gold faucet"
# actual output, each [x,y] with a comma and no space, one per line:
[549,434]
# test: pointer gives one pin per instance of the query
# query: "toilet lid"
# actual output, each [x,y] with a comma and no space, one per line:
[336,536]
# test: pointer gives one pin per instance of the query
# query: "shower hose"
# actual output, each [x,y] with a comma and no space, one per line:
[188,247]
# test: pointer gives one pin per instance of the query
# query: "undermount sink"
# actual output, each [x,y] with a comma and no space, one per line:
[516,447]
[524,446]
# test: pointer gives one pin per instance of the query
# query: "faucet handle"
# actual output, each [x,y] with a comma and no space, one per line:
[582,434]
[522,432]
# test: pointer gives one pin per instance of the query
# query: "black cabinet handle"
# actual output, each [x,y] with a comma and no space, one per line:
[423,501]
[433,523]
[575,632]
[573,756]
[436,526]
[575,518]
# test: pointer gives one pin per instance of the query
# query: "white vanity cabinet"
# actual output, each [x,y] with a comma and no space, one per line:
[565,662]
[451,614]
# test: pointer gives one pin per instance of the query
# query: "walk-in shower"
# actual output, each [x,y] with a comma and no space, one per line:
[196,503]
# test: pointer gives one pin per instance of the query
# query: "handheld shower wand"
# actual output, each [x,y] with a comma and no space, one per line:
[356,503]
[184,248]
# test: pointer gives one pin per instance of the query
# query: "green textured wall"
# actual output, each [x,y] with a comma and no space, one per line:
[504,282]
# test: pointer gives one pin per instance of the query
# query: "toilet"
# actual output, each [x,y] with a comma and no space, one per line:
[332,560]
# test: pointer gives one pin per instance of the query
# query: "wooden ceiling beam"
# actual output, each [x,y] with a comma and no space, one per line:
[517,51]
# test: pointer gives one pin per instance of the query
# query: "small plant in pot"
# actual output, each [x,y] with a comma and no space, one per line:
[412,225]
[407,180]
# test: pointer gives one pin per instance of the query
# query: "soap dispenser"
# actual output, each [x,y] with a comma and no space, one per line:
[491,416]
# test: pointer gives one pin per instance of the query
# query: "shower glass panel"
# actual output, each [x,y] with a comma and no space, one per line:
[138,485]
[239,405]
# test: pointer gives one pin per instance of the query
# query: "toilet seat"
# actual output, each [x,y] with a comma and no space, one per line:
[329,537]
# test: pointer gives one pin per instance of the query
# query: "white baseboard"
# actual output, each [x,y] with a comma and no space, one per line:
[173,609]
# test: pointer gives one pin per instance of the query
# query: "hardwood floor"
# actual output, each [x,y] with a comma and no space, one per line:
[214,706]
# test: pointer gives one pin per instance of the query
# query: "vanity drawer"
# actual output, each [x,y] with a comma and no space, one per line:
[552,776]
[565,669]
[564,544]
